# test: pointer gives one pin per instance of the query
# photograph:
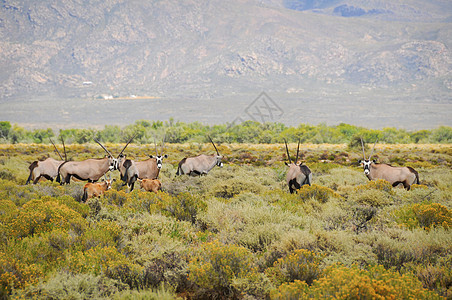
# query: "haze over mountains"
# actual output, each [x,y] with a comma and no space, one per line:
[205,50]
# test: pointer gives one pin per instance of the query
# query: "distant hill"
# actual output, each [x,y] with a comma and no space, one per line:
[208,49]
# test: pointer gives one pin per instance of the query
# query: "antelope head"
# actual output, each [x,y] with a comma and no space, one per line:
[113,162]
[367,162]
[121,156]
[218,157]
[288,154]
[159,158]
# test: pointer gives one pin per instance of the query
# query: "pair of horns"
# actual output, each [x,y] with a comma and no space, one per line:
[163,146]
[288,155]
[372,152]
[64,148]
[127,145]
[218,153]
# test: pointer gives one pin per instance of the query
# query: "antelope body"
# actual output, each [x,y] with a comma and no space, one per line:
[151,185]
[395,175]
[88,170]
[201,164]
[91,190]
[47,168]
[298,174]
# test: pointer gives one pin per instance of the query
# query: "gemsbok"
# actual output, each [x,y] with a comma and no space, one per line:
[96,189]
[298,174]
[395,175]
[126,170]
[87,170]
[47,168]
[147,169]
[201,164]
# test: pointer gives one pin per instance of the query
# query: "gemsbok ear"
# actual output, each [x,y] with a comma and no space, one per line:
[374,161]
[151,156]
[286,163]
[165,156]
[360,161]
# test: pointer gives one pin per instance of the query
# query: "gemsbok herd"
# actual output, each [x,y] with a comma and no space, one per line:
[146,172]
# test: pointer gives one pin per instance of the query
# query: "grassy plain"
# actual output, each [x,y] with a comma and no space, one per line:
[235,233]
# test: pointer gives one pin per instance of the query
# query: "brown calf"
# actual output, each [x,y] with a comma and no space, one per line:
[151,185]
[96,189]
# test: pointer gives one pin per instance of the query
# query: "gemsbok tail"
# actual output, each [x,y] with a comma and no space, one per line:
[179,168]
[416,174]
[85,195]
[31,167]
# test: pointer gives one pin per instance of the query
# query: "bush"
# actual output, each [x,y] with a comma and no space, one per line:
[340,282]
[16,274]
[216,268]
[425,215]
[320,193]
[73,286]
[38,216]
[301,264]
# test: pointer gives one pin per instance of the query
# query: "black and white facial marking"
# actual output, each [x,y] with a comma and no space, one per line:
[219,162]
[159,159]
[113,163]
[366,165]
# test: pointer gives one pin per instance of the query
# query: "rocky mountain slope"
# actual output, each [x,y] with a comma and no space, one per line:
[208,49]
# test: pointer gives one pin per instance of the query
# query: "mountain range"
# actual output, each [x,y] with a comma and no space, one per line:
[92,49]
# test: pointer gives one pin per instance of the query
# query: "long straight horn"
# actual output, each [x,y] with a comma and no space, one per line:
[373,149]
[163,143]
[362,144]
[298,149]
[218,153]
[56,148]
[287,149]
[108,152]
[156,152]
[127,145]
[64,148]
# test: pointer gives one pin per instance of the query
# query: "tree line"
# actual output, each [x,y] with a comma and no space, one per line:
[146,132]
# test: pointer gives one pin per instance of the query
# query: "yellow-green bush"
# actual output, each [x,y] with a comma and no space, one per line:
[16,274]
[320,193]
[216,267]
[425,215]
[37,216]
[108,260]
[65,285]
[230,187]
[104,233]
[340,282]
[300,264]
[379,184]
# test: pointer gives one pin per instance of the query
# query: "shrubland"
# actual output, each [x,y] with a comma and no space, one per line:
[236,233]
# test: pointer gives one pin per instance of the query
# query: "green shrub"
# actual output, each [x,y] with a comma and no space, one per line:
[300,264]
[37,216]
[103,233]
[183,207]
[379,184]
[424,215]
[320,193]
[234,186]
[73,286]
[340,282]
[16,274]
[216,267]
